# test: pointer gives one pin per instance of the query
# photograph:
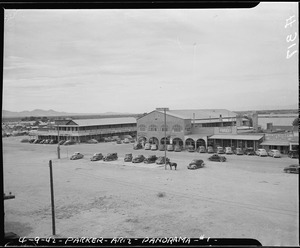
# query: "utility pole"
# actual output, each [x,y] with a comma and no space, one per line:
[52,198]
[165,115]
[58,146]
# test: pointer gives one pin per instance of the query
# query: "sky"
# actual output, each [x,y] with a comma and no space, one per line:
[136,60]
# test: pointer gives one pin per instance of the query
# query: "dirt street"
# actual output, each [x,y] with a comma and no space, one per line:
[245,197]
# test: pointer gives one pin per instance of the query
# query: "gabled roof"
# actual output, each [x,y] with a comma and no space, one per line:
[104,121]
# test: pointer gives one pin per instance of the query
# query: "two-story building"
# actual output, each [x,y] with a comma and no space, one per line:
[82,130]
[196,127]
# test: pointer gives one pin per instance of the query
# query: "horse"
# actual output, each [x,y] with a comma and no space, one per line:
[171,164]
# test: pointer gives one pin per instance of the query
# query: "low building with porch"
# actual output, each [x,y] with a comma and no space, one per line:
[82,130]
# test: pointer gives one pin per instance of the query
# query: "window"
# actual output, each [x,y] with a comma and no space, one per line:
[152,128]
[142,128]
[164,128]
[177,128]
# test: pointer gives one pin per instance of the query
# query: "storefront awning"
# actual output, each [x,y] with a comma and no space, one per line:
[236,137]
[275,143]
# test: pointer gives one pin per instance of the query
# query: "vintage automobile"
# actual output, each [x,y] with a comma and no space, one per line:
[128,157]
[190,148]
[138,159]
[137,146]
[274,153]
[239,151]
[170,148]
[119,141]
[249,151]
[107,139]
[69,142]
[76,155]
[150,159]
[126,141]
[293,154]
[196,164]
[153,147]
[161,160]
[217,158]
[220,150]
[147,146]
[210,149]
[202,149]
[261,152]
[161,147]
[96,157]
[228,150]
[294,168]
[61,142]
[110,157]
[177,148]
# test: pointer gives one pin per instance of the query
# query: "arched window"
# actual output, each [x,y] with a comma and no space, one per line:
[142,128]
[177,128]
[152,128]
[164,128]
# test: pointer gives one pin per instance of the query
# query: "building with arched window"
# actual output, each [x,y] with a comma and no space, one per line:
[197,127]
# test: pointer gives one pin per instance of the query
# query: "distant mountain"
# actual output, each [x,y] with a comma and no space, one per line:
[50,112]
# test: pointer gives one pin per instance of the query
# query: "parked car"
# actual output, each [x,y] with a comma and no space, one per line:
[217,157]
[249,151]
[69,142]
[202,149]
[177,149]
[76,155]
[137,146]
[107,139]
[138,159]
[42,141]
[119,141]
[46,141]
[294,168]
[196,164]
[161,160]
[96,157]
[293,154]
[239,151]
[190,148]
[150,159]
[126,141]
[110,157]
[161,147]
[61,142]
[170,148]
[128,157]
[210,149]
[153,147]
[261,153]
[147,146]
[220,150]
[274,153]
[228,150]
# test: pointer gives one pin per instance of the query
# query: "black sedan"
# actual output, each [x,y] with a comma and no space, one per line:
[294,168]
[217,158]
[196,164]
[151,159]
[96,157]
[138,159]
[128,157]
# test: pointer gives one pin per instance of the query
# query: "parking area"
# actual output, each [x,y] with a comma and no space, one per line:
[244,197]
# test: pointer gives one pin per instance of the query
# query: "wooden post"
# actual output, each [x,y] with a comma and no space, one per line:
[52,198]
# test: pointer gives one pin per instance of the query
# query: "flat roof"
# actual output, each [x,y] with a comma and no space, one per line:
[105,121]
[236,137]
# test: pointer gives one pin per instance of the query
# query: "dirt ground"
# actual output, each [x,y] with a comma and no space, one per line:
[245,197]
